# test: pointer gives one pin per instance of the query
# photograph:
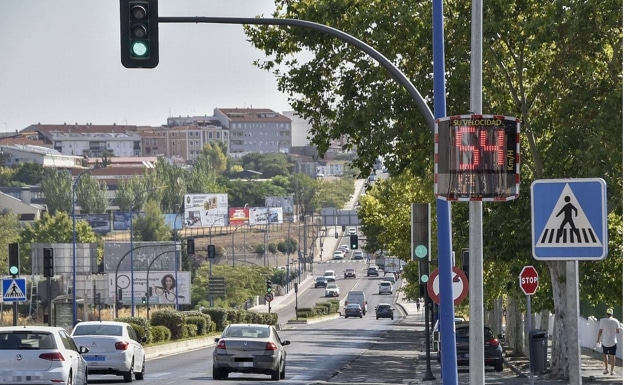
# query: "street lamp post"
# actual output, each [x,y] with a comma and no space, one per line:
[74,304]
[175,254]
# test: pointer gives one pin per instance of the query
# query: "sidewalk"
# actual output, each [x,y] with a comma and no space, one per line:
[591,362]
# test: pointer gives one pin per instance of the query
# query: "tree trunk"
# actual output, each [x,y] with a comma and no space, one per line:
[515,329]
[560,360]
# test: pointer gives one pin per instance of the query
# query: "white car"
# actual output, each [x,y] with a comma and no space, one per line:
[332,290]
[114,348]
[338,255]
[40,355]
[385,287]
[330,275]
[352,231]
[390,277]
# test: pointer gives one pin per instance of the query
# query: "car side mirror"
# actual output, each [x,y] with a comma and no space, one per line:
[83,349]
[287,342]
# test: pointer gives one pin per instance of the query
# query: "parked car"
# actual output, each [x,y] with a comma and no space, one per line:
[249,348]
[41,355]
[492,350]
[353,310]
[385,287]
[384,310]
[320,282]
[357,254]
[330,275]
[114,348]
[372,272]
[332,290]
[349,273]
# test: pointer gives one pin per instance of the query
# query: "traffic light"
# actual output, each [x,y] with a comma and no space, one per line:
[354,241]
[269,286]
[421,238]
[97,298]
[14,260]
[48,262]
[190,246]
[139,33]
[149,291]
[212,252]
[143,300]
[466,261]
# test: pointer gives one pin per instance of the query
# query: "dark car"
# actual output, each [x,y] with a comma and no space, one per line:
[384,310]
[492,350]
[353,310]
[372,272]
[349,273]
[320,282]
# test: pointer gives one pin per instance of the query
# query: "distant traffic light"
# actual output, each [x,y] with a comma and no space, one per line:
[269,286]
[421,238]
[143,300]
[14,260]
[48,262]
[139,33]
[97,298]
[190,246]
[465,261]
[212,251]
[354,241]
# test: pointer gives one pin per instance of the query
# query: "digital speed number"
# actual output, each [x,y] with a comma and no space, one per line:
[477,158]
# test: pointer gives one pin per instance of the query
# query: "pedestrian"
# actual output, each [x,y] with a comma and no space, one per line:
[609,329]
[417,304]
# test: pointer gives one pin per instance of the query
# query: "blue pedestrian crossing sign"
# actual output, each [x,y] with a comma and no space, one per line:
[13,289]
[569,219]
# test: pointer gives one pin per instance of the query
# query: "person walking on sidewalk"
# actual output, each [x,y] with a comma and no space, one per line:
[609,329]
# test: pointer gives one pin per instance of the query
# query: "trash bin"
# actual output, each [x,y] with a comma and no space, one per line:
[538,350]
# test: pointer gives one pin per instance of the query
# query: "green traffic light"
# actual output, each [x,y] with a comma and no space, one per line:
[424,278]
[139,48]
[13,270]
[421,251]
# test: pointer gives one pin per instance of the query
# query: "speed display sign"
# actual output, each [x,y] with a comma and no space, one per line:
[529,280]
[477,158]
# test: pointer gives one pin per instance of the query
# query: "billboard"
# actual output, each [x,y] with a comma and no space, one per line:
[161,256]
[165,287]
[265,215]
[121,220]
[238,215]
[205,210]
[100,223]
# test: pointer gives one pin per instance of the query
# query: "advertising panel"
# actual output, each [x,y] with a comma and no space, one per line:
[100,223]
[121,220]
[165,287]
[239,215]
[205,210]
[117,256]
[265,215]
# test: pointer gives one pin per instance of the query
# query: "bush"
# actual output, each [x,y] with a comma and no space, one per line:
[140,326]
[201,322]
[219,316]
[172,320]
[159,333]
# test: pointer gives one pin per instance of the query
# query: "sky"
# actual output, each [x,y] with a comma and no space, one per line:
[61,63]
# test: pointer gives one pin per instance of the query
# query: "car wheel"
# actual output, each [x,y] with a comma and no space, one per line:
[141,375]
[392,318]
[127,376]
[346,316]
[376,317]
[70,379]
[498,366]
[219,373]
[360,316]
[283,372]
[275,374]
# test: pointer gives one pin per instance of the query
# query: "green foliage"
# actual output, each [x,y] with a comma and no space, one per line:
[159,333]
[218,315]
[172,320]
[91,195]
[9,233]
[287,246]
[29,173]
[151,226]
[57,188]
[201,322]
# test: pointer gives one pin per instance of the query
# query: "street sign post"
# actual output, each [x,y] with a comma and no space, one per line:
[529,280]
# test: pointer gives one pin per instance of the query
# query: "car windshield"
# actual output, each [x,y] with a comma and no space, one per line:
[98,330]
[246,331]
[31,340]
[321,279]
[332,286]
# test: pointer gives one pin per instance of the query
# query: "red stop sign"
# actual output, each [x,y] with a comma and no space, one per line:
[529,280]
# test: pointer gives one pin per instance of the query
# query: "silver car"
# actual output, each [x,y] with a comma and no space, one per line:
[114,348]
[249,348]
[40,355]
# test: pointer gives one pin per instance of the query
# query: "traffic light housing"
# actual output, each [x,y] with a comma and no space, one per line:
[354,241]
[48,262]
[190,246]
[149,291]
[421,239]
[139,33]
[143,300]
[269,286]
[14,260]
[466,261]
[212,252]
[97,299]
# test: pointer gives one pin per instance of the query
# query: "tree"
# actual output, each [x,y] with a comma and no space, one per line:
[556,66]
[57,189]
[91,195]
[29,173]
[216,153]
[151,226]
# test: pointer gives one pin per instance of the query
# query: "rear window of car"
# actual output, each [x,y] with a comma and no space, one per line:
[384,283]
[32,340]
[98,330]
[248,332]
[383,307]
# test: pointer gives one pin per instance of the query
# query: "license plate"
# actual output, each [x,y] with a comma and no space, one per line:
[246,364]
[94,358]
